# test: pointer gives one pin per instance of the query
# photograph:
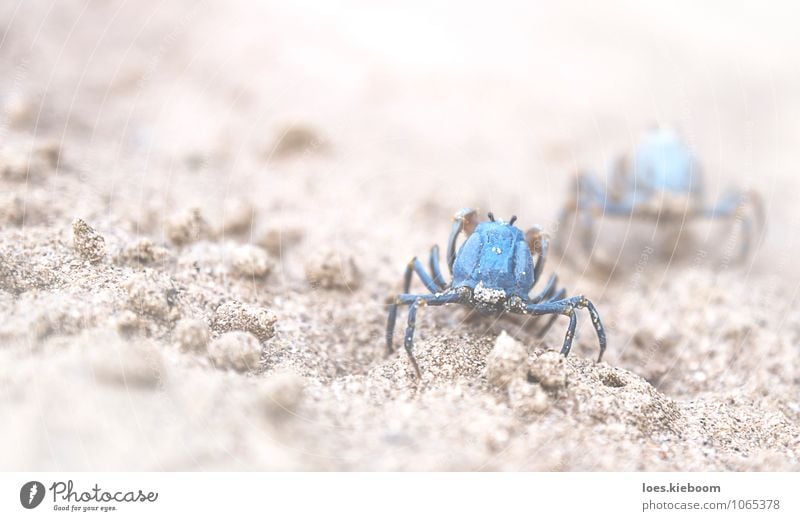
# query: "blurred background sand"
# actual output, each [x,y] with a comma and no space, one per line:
[358,130]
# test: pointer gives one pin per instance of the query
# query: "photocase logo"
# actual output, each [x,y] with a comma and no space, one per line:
[31,494]
[67,497]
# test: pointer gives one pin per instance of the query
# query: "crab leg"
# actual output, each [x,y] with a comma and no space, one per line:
[588,238]
[414,301]
[734,205]
[543,331]
[588,194]
[547,291]
[438,278]
[408,341]
[747,234]
[547,295]
[594,190]
[566,212]
[414,265]
[567,307]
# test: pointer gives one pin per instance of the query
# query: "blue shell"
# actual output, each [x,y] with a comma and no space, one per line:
[664,163]
[497,255]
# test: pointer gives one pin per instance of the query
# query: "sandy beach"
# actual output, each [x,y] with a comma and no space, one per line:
[205,207]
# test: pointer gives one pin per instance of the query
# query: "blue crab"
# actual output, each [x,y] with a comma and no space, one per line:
[664,184]
[493,271]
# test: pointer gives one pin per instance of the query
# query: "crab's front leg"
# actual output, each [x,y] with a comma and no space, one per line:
[414,302]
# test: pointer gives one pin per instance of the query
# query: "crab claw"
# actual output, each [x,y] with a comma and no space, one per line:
[537,239]
[539,242]
[465,220]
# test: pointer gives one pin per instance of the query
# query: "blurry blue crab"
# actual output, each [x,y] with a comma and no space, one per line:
[663,185]
[493,272]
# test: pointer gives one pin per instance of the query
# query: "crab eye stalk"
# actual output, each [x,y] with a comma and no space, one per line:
[512,220]
[491,216]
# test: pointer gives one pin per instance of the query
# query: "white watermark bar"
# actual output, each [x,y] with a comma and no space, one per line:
[401,496]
